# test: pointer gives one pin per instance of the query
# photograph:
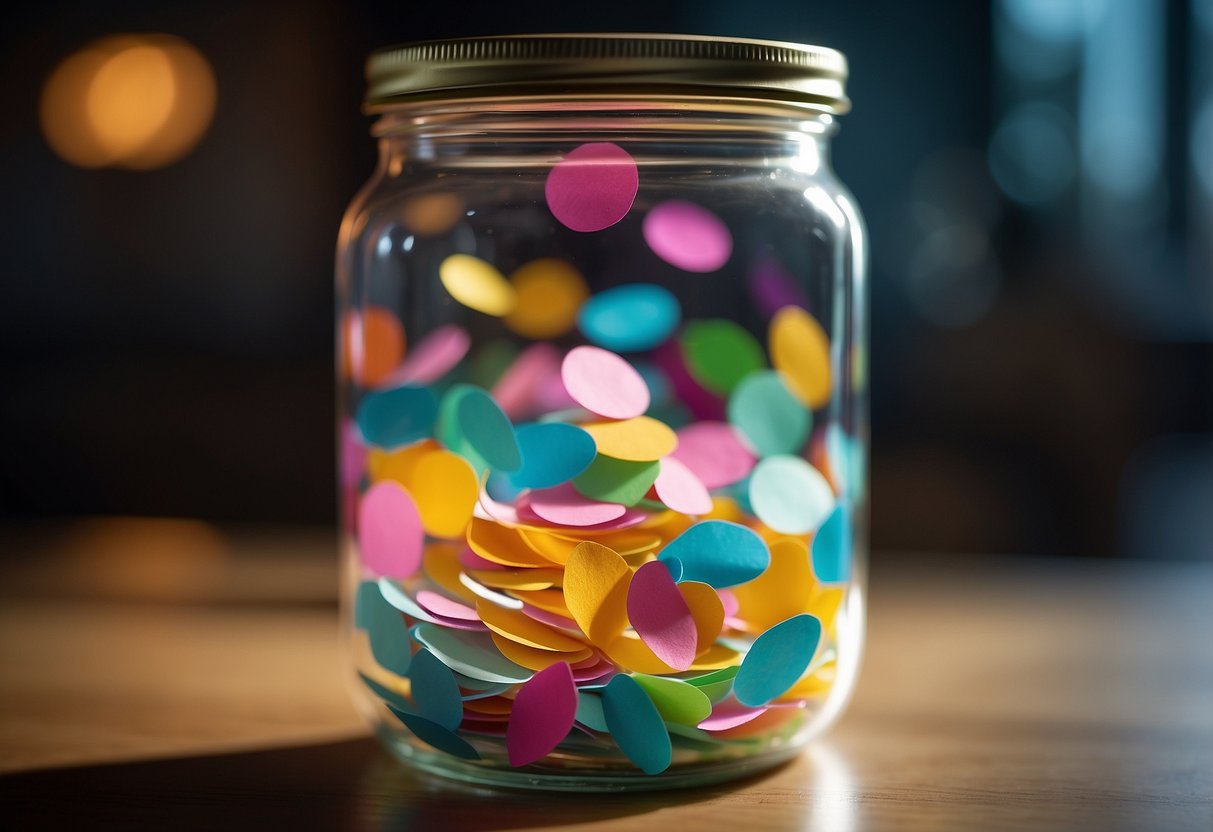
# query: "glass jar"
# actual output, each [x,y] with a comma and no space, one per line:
[601,336]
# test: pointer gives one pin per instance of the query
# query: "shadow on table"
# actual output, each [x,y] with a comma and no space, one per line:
[351,784]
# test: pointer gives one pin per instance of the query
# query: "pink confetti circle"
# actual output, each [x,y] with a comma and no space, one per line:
[661,616]
[688,236]
[565,507]
[542,715]
[604,383]
[444,607]
[593,186]
[389,531]
[714,453]
[679,488]
[518,390]
[434,356]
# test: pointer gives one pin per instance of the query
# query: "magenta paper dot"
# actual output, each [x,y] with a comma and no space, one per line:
[687,236]
[593,186]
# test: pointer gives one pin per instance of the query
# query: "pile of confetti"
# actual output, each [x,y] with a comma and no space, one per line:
[599,556]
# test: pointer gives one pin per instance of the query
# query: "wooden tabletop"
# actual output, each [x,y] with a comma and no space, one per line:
[174,676]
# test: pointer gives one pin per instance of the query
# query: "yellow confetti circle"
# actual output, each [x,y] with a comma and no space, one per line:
[641,439]
[800,351]
[477,285]
[550,294]
[445,489]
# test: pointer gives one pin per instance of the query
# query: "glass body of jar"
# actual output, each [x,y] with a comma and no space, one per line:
[602,406]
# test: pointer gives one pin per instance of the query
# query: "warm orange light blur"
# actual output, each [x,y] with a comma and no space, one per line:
[133,101]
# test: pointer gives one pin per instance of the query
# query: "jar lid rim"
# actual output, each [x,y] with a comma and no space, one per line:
[604,64]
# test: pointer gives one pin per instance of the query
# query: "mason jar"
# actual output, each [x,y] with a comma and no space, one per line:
[602,409]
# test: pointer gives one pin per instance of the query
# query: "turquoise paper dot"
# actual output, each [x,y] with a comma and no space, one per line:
[435,691]
[630,318]
[832,548]
[777,660]
[552,453]
[636,725]
[470,653]
[435,735]
[388,695]
[589,712]
[488,430]
[385,628]
[394,418]
[768,415]
[719,553]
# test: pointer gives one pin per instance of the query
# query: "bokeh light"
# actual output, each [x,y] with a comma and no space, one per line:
[131,101]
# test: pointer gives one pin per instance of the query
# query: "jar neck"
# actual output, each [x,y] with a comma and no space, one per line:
[529,133]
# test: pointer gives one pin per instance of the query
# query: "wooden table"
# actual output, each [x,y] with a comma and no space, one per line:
[997,693]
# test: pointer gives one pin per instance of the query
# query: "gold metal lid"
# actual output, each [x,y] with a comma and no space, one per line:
[609,66]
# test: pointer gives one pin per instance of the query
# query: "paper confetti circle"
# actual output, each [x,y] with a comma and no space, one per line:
[719,553]
[832,548]
[604,383]
[777,660]
[768,415]
[720,353]
[800,351]
[549,294]
[390,534]
[477,285]
[393,418]
[790,495]
[542,715]
[636,725]
[661,616]
[688,236]
[552,453]
[592,187]
[630,318]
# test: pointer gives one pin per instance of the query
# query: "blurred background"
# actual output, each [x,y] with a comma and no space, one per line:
[1037,177]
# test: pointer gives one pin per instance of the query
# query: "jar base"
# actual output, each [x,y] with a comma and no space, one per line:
[701,774]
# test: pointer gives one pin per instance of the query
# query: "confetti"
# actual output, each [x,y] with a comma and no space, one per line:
[390,536]
[487,430]
[564,506]
[374,345]
[443,607]
[790,495]
[477,285]
[636,725]
[832,548]
[729,714]
[542,715]
[589,712]
[385,629]
[432,214]
[642,439]
[720,353]
[435,691]
[679,488]
[800,351]
[777,660]
[719,553]
[766,413]
[549,294]
[773,288]
[393,418]
[676,700]
[445,493]
[435,735]
[604,383]
[519,390]
[552,453]
[716,685]
[780,592]
[592,187]
[630,318]
[519,627]
[661,617]
[616,481]
[687,236]
[433,357]
[596,588]
[713,452]
[472,654]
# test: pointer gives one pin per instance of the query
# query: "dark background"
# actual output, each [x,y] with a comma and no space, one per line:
[1037,177]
